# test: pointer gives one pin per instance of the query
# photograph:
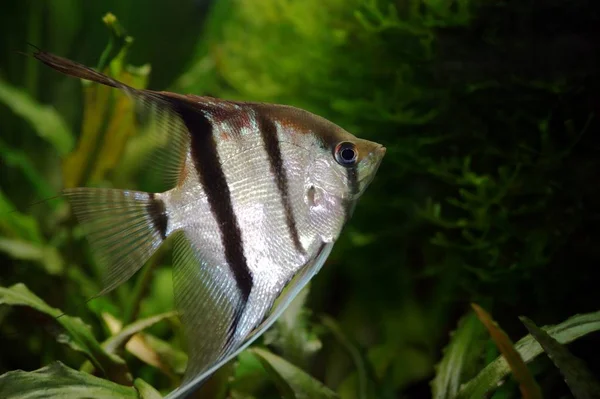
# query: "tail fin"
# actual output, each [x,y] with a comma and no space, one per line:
[124,228]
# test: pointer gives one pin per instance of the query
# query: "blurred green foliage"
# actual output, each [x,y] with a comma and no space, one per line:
[487,193]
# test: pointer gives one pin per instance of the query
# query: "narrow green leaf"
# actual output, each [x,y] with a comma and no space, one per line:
[146,347]
[291,335]
[170,358]
[578,377]
[119,340]
[140,289]
[145,390]
[108,114]
[19,159]
[527,384]
[568,331]
[122,124]
[60,381]
[78,334]
[292,382]
[250,375]
[461,353]
[17,225]
[173,358]
[357,358]
[68,14]
[116,342]
[44,119]
[47,256]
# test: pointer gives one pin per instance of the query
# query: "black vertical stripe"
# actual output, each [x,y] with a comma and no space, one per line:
[268,131]
[158,214]
[206,161]
[353,188]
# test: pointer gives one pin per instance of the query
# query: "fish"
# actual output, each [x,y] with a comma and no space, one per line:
[258,195]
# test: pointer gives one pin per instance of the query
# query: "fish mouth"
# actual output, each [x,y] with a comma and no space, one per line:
[371,166]
[378,154]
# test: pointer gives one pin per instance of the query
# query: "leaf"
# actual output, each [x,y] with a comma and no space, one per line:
[60,381]
[565,332]
[160,293]
[18,159]
[77,164]
[250,375]
[78,334]
[462,351]
[387,360]
[146,347]
[16,224]
[128,336]
[291,335]
[529,388]
[44,119]
[292,382]
[580,380]
[145,390]
[124,335]
[48,256]
[69,16]
[357,358]
[108,114]
[121,125]
[169,358]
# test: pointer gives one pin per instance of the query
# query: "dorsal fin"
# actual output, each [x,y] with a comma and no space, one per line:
[170,136]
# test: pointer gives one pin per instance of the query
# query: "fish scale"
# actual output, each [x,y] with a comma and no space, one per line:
[261,217]
[259,193]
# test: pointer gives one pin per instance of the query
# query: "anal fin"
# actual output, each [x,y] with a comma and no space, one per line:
[193,382]
[207,300]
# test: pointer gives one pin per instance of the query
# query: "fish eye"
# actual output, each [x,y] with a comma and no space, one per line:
[346,153]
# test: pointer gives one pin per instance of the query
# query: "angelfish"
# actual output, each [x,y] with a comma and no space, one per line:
[260,193]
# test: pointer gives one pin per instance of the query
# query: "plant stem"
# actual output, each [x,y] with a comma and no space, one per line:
[140,289]
[36,10]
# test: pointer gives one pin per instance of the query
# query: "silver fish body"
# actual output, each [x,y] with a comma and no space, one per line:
[260,194]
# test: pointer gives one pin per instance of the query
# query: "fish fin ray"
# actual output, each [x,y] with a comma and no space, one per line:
[294,287]
[205,299]
[164,127]
[123,227]
[77,70]
[170,137]
[296,284]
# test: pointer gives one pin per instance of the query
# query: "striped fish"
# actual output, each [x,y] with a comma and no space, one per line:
[260,193]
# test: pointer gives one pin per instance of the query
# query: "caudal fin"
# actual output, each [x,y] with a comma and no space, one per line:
[124,228]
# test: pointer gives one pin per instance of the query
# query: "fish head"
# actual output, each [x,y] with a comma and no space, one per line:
[329,165]
[335,161]
[345,165]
